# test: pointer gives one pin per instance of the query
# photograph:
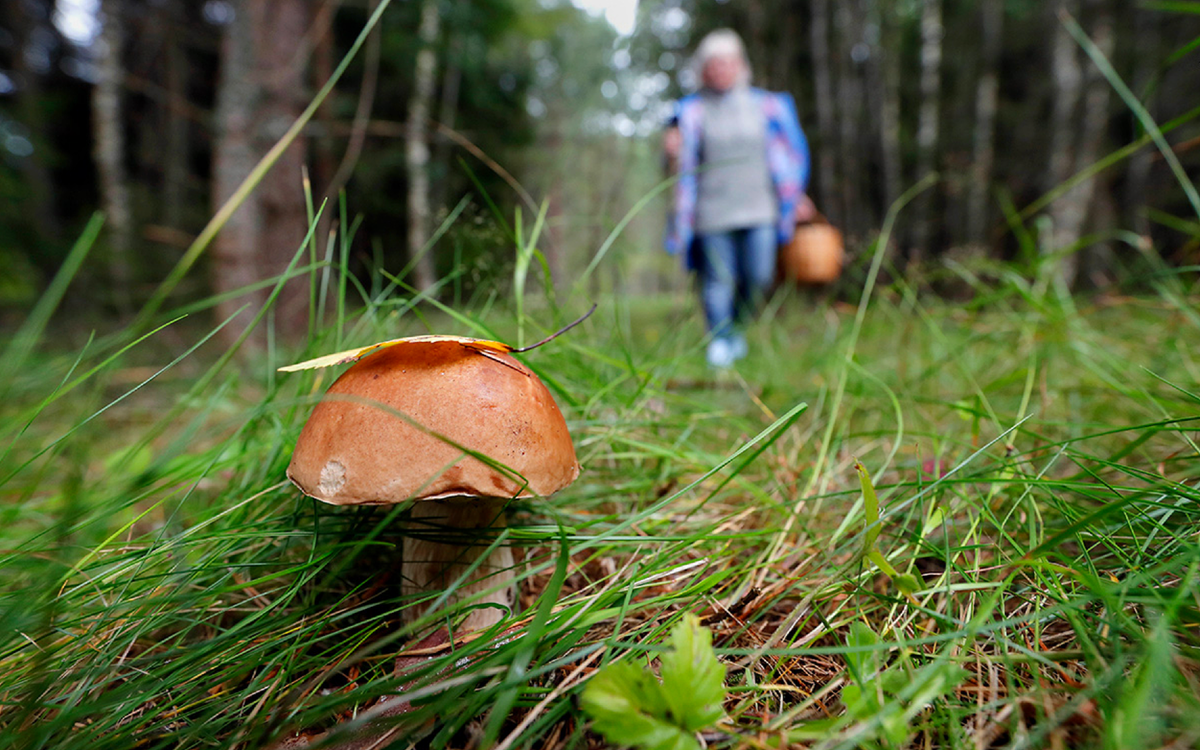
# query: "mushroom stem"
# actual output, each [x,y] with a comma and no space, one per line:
[448,537]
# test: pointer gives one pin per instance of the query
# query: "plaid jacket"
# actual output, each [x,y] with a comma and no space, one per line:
[787,158]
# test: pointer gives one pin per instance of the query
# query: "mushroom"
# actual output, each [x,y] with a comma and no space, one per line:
[411,421]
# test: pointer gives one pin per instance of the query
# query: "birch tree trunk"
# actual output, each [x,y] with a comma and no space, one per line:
[986,103]
[417,151]
[932,32]
[826,142]
[108,149]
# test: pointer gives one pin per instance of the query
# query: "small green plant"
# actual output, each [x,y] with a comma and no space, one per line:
[885,700]
[906,582]
[630,706]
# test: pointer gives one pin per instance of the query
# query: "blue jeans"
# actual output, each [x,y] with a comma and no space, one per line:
[737,268]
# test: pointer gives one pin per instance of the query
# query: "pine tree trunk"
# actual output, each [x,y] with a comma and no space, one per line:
[108,149]
[986,104]
[824,179]
[262,91]
[282,80]
[1146,31]
[783,61]
[324,158]
[756,45]
[928,121]
[883,78]
[417,151]
[176,164]
[1066,213]
[233,251]
[849,106]
[1093,262]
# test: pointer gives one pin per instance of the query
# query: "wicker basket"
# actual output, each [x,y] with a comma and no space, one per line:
[814,255]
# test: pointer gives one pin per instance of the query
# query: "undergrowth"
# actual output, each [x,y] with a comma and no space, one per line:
[1034,460]
[909,522]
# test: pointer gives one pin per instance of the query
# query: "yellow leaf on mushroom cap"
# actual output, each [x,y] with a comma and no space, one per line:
[353,355]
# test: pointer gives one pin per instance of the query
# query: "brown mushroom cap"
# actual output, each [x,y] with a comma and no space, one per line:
[354,453]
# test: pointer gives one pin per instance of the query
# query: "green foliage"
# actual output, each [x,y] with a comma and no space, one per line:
[886,699]
[631,707]
[906,582]
[1136,720]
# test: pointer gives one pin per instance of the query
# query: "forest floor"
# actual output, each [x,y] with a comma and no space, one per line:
[1035,459]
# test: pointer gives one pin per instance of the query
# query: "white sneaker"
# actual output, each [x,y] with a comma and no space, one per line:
[739,348]
[720,353]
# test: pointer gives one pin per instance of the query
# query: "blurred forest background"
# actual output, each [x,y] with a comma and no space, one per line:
[155,111]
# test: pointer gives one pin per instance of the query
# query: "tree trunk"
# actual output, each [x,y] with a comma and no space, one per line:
[756,44]
[176,164]
[417,151]
[283,83]
[324,159]
[928,120]
[1137,181]
[261,93]
[1093,261]
[109,150]
[986,103]
[783,61]
[1066,213]
[826,142]
[849,105]
[883,78]
[234,262]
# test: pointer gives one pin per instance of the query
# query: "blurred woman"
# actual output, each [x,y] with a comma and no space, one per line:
[743,163]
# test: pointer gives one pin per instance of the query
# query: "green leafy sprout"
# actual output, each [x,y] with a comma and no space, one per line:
[906,582]
[632,707]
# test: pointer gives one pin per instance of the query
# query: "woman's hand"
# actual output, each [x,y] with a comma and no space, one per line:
[806,210]
[672,142]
